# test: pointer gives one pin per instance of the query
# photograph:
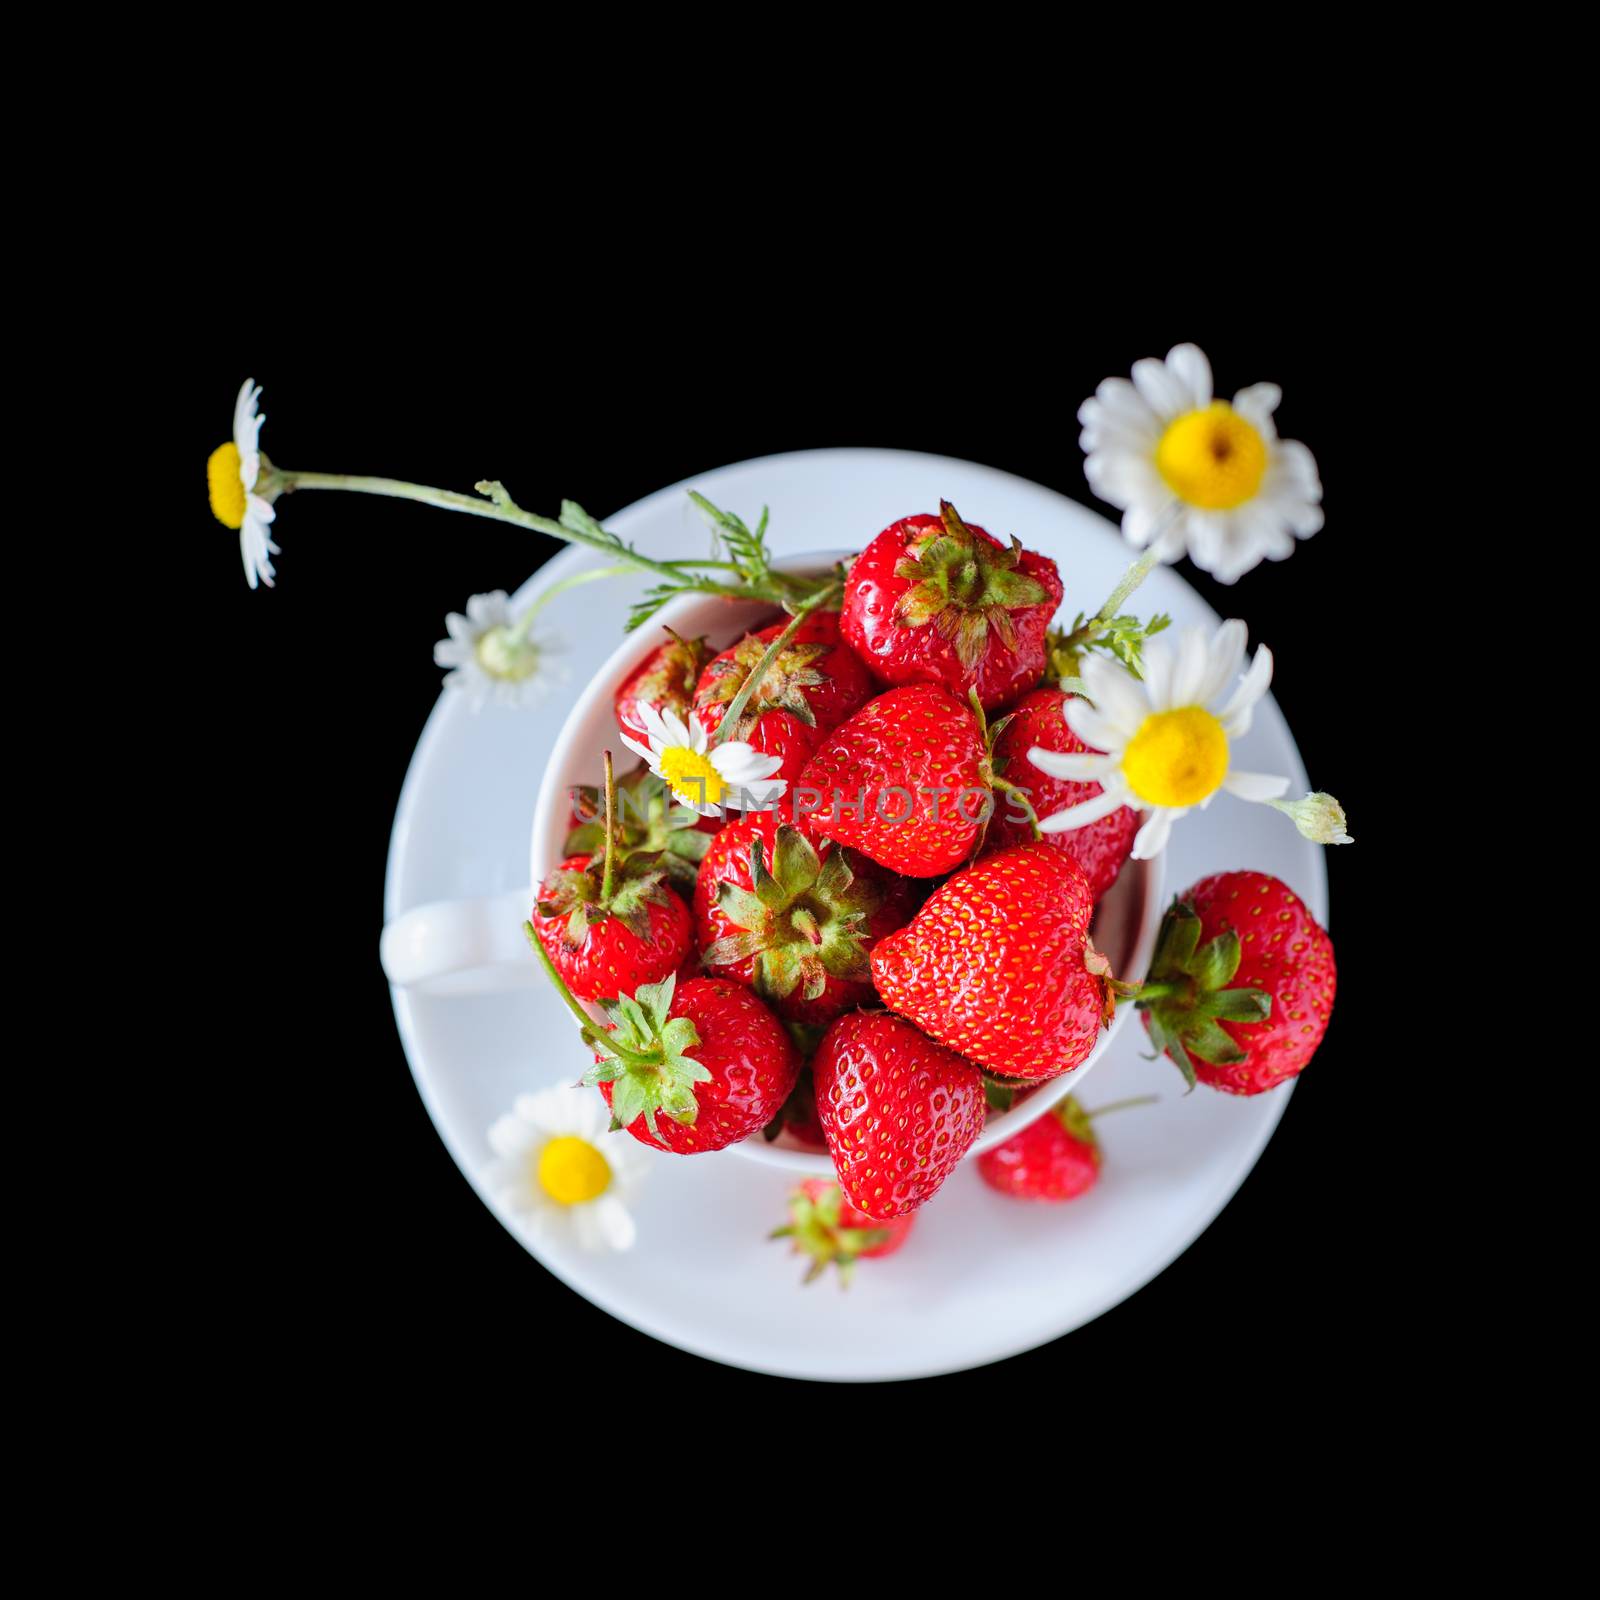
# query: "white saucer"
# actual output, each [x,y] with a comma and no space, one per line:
[982,1277]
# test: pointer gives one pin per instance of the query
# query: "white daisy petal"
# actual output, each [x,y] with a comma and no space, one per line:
[1226,656]
[1256,405]
[1189,670]
[1080,815]
[1255,785]
[1163,391]
[738,762]
[1099,732]
[642,749]
[1072,768]
[1235,715]
[616,1226]
[1151,839]
[510,1136]
[1188,366]
[1119,698]
[756,796]
[1159,661]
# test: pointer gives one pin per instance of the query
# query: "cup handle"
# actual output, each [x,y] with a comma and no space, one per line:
[461,947]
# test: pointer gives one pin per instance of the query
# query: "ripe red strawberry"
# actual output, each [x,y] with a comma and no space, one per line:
[1101,847]
[938,600]
[800,1118]
[904,781]
[826,1227]
[1056,1157]
[898,1111]
[612,924]
[815,683]
[646,823]
[998,965]
[1242,983]
[707,1051]
[795,923]
[608,946]
[665,679]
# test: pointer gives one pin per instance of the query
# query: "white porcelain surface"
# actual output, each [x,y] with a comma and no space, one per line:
[982,1277]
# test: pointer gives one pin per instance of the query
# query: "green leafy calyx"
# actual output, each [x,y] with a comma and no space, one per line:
[815,1228]
[1187,998]
[647,824]
[645,1058]
[803,921]
[782,686]
[965,587]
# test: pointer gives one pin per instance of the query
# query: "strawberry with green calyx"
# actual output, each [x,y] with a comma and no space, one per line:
[938,600]
[815,677]
[800,930]
[998,964]
[646,823]
[686,1067]
[825,1226]
[614,924]
[1055,1158]
[664,680]
[1242,983]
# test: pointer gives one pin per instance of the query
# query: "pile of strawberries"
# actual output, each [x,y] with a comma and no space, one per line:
[894,949]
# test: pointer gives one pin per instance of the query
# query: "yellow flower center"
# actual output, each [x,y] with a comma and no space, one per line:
[226,486]
[1214,459]
[691,776]
[503,653]
[1177,757]
[572,1171]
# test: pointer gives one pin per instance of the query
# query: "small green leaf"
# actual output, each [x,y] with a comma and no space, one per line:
[1206,1039]
[1213,965]
[1236,1005]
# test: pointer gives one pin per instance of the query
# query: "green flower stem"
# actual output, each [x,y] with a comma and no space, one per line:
[521,627]
[611,831]
[730,718]
[495,504]
[1131,579]
[1123,1105]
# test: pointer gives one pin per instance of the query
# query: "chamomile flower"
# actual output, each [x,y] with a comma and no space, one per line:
[491,656]
[557,1169]
[707,778]
[231,474]
[1196,474]
[1167,741]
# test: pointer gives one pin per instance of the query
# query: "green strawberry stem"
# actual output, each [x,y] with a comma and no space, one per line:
[1123,1105]
[611,831]
[593,1035]
[730,718]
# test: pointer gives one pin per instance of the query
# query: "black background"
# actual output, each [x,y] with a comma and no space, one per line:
[359,1231]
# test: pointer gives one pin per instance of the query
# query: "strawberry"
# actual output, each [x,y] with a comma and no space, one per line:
[665,679]
[814,684]
[612,924]
[826,1227]
[898,1111]
[938,600]
[706,1053]
[1099,848]
[794,923]
[1242,983]
[998,965]
[905,781]
[646,823]
[1056,1157]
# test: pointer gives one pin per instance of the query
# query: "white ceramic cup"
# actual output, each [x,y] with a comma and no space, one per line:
[476,946]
